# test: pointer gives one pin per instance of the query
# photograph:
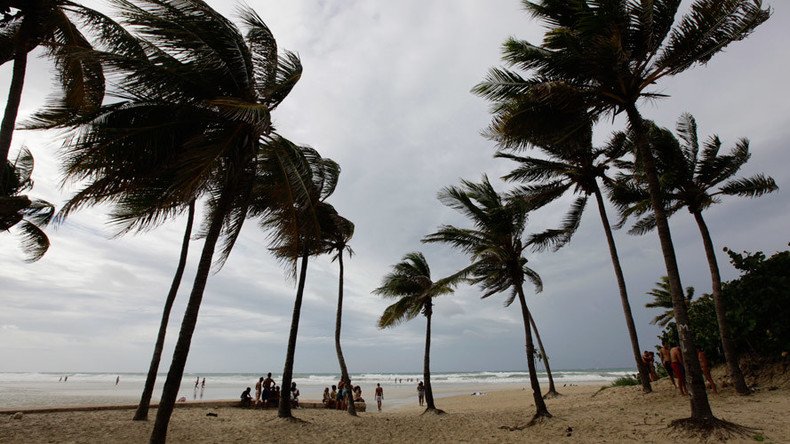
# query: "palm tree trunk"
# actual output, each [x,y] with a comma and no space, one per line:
[700,407]
[552,390]
[12,106]
[352,410]
[176,372]
[426,366]
[284,409]
[145,400]
[618,272]
[730,354]
[540,406]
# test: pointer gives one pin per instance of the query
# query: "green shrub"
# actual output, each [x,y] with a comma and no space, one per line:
[625,381]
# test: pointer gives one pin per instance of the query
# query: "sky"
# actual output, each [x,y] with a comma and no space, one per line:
[386,93]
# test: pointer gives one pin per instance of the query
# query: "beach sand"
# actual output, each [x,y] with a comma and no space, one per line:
[616,414]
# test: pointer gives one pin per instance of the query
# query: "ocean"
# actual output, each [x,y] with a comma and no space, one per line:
[39,390]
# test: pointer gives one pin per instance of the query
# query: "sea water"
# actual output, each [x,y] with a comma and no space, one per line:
[39,390]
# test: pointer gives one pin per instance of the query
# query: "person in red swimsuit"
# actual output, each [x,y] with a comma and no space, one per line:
[676,357]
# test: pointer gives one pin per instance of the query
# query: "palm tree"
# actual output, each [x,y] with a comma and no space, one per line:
[47,23]
[23,214]
[552,393]
[569,164]
[695,181]
[410,282]
[192,119]
[336,242]
[308,223]
[609,53]
[496,250]
[662,298]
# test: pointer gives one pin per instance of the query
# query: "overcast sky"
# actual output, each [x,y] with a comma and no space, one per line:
[385,92]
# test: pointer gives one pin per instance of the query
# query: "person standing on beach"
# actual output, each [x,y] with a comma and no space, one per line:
[379,395]
[258,387]
[705,365]
[202,387]
[666,361]
[117,379]
[676,357]
[197,381]
[267,389]
[421,393]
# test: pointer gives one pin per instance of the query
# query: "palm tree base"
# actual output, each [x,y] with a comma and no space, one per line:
[291,419]
[718,429]
[552,394]
[434,411]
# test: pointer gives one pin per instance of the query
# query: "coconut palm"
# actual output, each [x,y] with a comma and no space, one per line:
[336,240]
[695,180]
[193,115]
[662,298]
[496,248]
[56,25]
[19,212]
[410,283]
[570,164]
[609,53]
[305,238]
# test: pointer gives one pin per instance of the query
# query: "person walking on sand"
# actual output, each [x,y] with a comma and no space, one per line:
[117,379]
[703,362]
[379,395]
[666,361]
[421,392]
[197,381]
[676,358]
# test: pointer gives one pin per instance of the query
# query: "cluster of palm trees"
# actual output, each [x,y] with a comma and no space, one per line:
[597,58]
[188,122]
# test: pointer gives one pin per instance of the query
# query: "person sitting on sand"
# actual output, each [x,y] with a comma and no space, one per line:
[327,400]
[333,395]
[246,398]
[666,361]
[705,366]
[275,397]
[341,395]
[676,357]
[421,392]
[358,394]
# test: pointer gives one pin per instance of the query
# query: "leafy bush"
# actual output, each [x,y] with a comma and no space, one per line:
[625,381]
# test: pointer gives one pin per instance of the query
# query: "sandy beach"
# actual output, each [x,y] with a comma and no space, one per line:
[582,414]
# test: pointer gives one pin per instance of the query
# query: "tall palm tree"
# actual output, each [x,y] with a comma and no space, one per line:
[695,181]
[662,298]
[56,25]
[309,224]
[336,241]
[570,164]
[610,53]
[410,282]
[552,392]
[21,213]
[497,251]
[193,116]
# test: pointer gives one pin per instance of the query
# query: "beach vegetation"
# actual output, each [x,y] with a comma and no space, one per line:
[693,176]
[606,57]
[567,164]
[625,381]
[411,284]
[496,248]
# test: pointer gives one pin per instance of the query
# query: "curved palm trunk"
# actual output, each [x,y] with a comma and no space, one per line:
[145,400]
[426,366]
[12,106]
[540,405]
[352,410]
[552,390]
[618,272]
[700,407]
[284,409]
[176,372]
[730,354]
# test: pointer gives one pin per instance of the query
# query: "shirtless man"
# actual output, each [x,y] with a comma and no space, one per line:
[258,387]
[676,358]
[666,361]
[705,365]
[379,395]
[267,388]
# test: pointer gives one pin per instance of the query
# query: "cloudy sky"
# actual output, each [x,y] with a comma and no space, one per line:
[385,92]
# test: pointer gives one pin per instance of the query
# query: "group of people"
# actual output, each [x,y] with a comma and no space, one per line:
[267,394]
[672,360]
[338,397]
